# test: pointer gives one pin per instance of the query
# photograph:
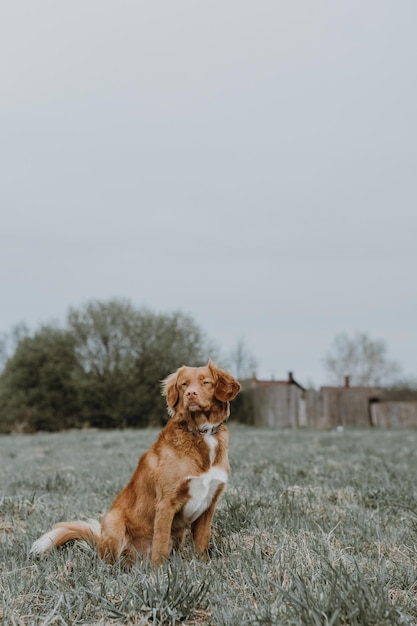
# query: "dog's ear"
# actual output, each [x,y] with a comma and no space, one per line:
[170,390]
[226,387]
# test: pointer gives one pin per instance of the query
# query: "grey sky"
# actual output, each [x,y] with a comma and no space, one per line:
[250,163]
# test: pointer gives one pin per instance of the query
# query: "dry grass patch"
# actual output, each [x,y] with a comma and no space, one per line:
[316,528]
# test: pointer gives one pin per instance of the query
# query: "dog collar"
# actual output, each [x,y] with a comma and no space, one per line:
[204,429]
[209,429]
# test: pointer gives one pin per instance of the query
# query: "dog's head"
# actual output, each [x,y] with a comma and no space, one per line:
[197,389]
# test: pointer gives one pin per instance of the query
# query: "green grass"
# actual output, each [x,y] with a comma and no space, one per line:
[315,528]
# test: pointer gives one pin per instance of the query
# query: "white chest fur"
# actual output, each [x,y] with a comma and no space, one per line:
[211,441]
[202,489]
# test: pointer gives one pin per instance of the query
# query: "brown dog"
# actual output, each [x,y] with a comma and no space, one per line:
[177,481]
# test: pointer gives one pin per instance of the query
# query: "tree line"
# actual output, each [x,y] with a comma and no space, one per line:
[100,370]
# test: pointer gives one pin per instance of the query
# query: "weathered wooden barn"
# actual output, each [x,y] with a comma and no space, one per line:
[286,403]
[340,406]
[279,403]
[394,414]
[394,408]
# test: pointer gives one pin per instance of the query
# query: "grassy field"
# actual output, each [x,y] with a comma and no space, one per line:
[315,528]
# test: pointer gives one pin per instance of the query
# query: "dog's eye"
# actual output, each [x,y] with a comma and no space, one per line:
[184,384]
[206,382]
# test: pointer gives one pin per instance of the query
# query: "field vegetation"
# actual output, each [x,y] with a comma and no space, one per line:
[316,528]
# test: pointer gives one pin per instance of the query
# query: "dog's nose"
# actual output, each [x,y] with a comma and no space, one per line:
[191,392]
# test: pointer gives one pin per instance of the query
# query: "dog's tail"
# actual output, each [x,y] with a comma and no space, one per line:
[67,531]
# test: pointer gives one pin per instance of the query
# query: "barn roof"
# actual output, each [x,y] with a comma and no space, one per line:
[276,383]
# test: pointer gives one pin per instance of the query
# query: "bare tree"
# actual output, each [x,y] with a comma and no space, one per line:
[242,362]
[361,358]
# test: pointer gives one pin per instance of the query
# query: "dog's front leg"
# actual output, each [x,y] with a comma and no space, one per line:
[201,528]
[164,515]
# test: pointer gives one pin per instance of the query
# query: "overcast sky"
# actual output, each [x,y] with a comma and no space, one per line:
[250,163]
